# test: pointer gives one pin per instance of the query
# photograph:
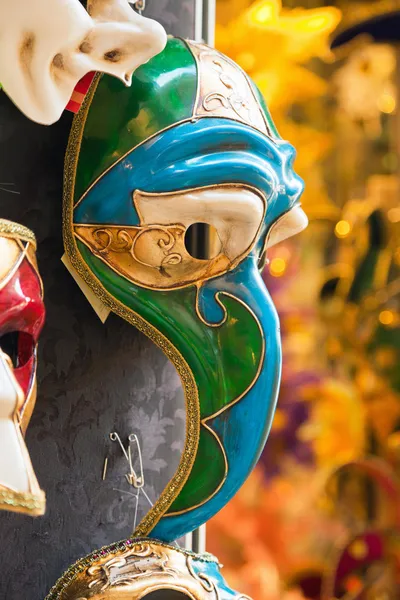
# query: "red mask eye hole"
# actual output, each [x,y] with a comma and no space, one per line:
[19,346]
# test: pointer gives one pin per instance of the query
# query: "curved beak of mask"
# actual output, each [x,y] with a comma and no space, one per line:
[192,144]
[21,320]
[47,46]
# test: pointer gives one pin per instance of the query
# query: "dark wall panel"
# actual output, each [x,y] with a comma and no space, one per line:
[93,378]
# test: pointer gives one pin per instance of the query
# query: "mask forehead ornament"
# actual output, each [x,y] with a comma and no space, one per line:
[21,320]
[48,46]
[192,142]
[135,569]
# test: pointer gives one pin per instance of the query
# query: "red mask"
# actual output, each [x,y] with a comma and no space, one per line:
[21,320]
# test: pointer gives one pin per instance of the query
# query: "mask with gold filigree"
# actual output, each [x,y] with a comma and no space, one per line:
[191,144]
[21,320]
[144,569]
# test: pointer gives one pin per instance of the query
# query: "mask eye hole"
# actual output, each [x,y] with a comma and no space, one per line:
[202,241]
[19,346]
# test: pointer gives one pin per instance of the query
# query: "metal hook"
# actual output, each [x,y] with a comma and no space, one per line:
[132,478]
[133,438]
[140,480]
[136,481]
[114,437]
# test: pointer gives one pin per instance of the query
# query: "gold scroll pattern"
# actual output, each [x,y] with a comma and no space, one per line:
[143,562]
[152,256]
[145,567]
[224,90]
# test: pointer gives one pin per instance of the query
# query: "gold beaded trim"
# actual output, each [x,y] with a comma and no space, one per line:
[16,230]
[23,502]
[84,563]
[176,484]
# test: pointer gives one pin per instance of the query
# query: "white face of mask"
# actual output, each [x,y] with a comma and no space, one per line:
[19,488]
[47,46]
[13,468]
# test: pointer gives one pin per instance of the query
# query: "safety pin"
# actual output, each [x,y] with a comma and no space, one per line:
[138,482]
[132,478]
[114,437]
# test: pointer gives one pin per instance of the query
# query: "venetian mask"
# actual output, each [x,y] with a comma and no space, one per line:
[191,143]
[21,320]
[137,569]
[47,46]
[366,565]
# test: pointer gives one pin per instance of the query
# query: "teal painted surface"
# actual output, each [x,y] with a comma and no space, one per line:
[240,358]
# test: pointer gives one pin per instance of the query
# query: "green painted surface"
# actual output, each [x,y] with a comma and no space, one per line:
[164,95]
[224,360]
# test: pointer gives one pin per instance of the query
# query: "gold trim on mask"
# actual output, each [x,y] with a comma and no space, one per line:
[136,567]
[16,231]
[188,382]
[204,422]
[168,265]
[33,504]
[153,255]
[25,240]
[224,89]
[7,276]
[235,110]
[205,89]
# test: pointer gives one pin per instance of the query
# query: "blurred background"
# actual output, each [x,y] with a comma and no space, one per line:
[319,518]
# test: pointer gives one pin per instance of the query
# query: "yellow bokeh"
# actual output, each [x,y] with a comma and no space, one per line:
[387,317]
[274,45]
[335,406]
[277,267]
[265,12]
[342,229]
[386,103]
[394,215]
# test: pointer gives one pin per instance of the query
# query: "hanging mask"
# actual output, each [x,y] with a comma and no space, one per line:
[191,143]
[137,569]
[47,46]
[367,564]
[21,320]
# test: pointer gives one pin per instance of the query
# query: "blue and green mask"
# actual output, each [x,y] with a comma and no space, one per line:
[190,142]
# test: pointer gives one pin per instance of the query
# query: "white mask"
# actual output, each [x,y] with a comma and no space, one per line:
[47,46]
[17,478]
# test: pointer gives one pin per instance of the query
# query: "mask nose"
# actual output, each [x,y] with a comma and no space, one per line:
[290,224]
